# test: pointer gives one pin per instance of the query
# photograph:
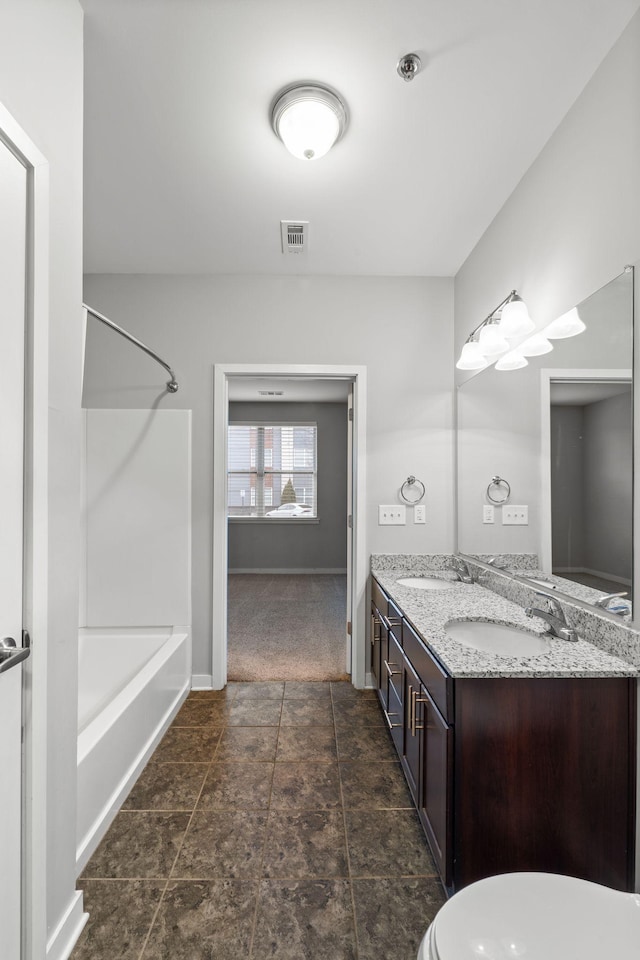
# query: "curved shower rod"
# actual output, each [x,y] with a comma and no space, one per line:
[172,385]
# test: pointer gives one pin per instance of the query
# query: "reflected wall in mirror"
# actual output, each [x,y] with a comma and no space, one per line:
[505,429]
[591,473]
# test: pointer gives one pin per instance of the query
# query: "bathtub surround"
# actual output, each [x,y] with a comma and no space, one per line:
[287,627]
[273,820]
[136,518]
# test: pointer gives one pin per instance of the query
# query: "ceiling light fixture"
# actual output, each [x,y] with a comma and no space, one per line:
[309,119]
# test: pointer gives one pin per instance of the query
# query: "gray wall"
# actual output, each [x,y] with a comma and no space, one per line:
[267,545]
[591,473]
[567,486]
[400,328]
[608,485]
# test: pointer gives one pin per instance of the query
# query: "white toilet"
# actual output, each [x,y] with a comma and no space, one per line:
[535,916]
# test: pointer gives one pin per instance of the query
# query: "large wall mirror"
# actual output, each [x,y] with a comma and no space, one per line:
[559,433]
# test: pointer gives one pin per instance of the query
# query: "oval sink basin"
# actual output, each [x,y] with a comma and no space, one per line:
[496,638]
[425,583]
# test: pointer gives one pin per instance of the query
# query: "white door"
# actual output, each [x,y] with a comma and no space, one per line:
[13,218]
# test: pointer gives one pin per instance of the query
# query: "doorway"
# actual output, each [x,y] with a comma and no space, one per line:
[287,521]
[229,382]
[587,444]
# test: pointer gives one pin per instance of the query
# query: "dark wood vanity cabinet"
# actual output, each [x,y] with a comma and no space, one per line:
[511,774]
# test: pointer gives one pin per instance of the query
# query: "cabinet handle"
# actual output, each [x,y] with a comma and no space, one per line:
[412,711]
[374,623]
[392,673]
[414,717]
[393,623]
[388,716]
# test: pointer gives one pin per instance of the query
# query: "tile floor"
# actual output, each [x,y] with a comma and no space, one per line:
[273,820]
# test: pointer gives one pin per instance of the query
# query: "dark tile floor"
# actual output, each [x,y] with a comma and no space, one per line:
[273,820]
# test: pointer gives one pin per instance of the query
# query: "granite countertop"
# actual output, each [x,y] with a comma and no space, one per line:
[429,610]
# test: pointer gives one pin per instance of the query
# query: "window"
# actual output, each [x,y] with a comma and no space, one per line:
[272,470]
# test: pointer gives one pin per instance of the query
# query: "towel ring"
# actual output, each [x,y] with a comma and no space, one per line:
[412,482]
[498,482]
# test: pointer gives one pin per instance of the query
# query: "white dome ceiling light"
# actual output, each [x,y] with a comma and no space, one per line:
[309,119]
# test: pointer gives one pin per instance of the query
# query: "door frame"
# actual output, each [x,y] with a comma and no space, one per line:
[34,787]
[547,377]
[359,571]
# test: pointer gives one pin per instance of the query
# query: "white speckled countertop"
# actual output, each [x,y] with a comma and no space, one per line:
[429,611]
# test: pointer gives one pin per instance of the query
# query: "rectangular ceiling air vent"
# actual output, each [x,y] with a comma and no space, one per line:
[295,236]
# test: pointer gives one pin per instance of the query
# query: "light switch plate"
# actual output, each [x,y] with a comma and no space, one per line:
[391,515]
[515,514]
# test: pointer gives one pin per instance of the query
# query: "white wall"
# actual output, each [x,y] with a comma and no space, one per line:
[570,226]
[41,86]
[573,222]
[400,328]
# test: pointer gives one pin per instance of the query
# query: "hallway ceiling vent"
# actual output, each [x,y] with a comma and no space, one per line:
[295,236]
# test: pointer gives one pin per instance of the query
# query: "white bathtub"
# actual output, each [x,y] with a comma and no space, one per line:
[131,684]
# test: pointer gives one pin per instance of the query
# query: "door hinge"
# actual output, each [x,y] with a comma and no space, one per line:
[350,521]
[349,627]
[350,413]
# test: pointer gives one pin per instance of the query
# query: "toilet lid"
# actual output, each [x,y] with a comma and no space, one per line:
[537,916]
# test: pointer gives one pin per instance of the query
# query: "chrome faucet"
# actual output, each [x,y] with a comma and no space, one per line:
[554,617]
[604,601]
[462,572]
[495,562]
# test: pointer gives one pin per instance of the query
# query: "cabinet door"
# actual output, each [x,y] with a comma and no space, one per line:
[413,730]
[383,675]
[435,802]
[374,626]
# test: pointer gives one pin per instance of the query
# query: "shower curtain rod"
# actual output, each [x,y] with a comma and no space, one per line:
[172,385]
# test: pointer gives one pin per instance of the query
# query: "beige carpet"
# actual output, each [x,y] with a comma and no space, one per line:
[287,627]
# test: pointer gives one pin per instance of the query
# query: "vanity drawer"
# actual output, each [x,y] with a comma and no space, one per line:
[434,677]
[379,598]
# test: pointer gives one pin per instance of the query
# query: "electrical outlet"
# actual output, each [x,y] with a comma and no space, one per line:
[488,515]
[515,514]
[393,514]
[420,514]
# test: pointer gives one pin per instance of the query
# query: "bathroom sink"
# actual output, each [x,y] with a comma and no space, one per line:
[496,638]
[425,583]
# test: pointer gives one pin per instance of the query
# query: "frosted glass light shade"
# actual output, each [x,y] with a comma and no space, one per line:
[514,318]
[308,119]
[568,325]
[512,361]
[471,357]
[535,346]
[491,341]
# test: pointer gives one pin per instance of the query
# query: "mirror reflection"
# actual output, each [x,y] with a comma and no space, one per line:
[559,432]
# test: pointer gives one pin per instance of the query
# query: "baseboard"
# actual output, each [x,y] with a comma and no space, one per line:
[559,571]
[202,681]
[292,570]
[65,936]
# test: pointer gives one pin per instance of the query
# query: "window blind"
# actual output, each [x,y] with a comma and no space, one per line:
[272,470]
